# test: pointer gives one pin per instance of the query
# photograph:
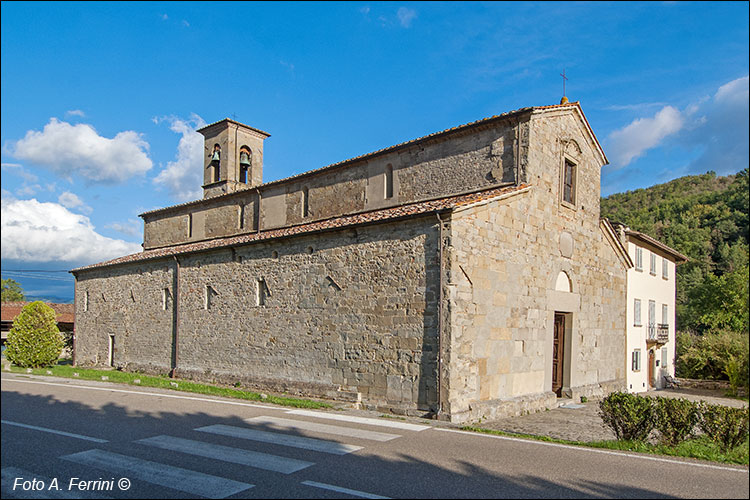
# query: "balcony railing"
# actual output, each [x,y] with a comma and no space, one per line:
[658,333]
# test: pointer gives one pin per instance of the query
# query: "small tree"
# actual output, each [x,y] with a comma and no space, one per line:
[12,291]
[34,340]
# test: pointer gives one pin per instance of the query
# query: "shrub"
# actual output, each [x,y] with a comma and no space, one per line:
[34,340]
[726,426]
[631,417]
[675,419]
[706,356]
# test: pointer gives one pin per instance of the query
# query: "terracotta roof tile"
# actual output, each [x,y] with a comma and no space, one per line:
[65,312]
[386,214]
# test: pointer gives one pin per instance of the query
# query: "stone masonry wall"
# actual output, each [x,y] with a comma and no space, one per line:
[461,161]
[504,259]
[354,309]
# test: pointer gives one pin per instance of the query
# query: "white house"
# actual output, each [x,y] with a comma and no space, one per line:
[650,309]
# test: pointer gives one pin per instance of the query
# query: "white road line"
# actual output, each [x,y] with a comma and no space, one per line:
[592,450]
[142,393]
[193,482]
[323,428]
[54,431]
[339,489]
[48,490]
[361,420]
[254,459]
[281,439]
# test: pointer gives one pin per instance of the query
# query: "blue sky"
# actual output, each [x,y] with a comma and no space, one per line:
[100,101]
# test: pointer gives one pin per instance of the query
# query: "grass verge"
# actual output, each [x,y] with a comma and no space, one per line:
[164,382]
[700,447]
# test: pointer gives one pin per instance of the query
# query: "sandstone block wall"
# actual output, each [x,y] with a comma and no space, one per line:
[460,161]
[504,260]
[354,310]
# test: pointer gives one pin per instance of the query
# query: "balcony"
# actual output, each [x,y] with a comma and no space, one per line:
[658,334]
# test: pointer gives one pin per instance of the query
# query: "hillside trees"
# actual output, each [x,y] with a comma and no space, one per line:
[12,291]
[706,218]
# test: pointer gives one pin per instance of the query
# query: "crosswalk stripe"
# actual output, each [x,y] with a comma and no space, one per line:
[323,428]
[360,420]
[54,431]
[255,459]
[189,481]
[281,439]
[340,489]
[13,489]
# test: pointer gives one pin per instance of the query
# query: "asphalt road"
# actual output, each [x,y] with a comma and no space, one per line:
[123,442]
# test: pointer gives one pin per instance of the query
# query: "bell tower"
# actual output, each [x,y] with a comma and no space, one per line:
[233,157]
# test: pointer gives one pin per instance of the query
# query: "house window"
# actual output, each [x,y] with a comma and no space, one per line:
[638,259]
[664,314]
[651,313]
[305,201]
[664,357]
[637,312]
[636,362]
[664,268]
[389,181]
[208,298]
[652,268]
[569,182]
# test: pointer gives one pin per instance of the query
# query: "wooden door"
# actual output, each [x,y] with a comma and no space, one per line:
[557,354]
[651,358]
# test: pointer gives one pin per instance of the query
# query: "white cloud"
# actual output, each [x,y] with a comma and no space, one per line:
[183,177]
[406,16]
[719,130]
[47,232]
[72,201]
[75,112]
[131,227]
[630,142]
[78,150]
[365,10]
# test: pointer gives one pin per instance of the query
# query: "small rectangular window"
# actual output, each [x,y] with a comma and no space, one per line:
[665,268]
[241,222]
[111,350]
[664,314]
[636,362]
[637,312]
[652,268]
[639,259]
[190,225]
[569,182]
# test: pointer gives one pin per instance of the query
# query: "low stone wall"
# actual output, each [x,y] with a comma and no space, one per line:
[708,385]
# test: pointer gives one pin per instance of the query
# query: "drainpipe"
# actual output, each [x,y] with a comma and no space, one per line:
[175,317]
[440,319]
[260,198]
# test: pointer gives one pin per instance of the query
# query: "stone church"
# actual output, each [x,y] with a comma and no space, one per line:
[460,275]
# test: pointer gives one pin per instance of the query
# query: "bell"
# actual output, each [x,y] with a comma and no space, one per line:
[244,159]
[215,156]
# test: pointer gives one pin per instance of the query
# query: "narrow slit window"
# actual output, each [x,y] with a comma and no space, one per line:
[241,222]
[305,201]
[166,299]
[190,225]
[388,181]
[111,350]
[261,293]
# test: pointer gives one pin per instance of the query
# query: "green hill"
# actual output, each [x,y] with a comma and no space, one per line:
[706,218]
